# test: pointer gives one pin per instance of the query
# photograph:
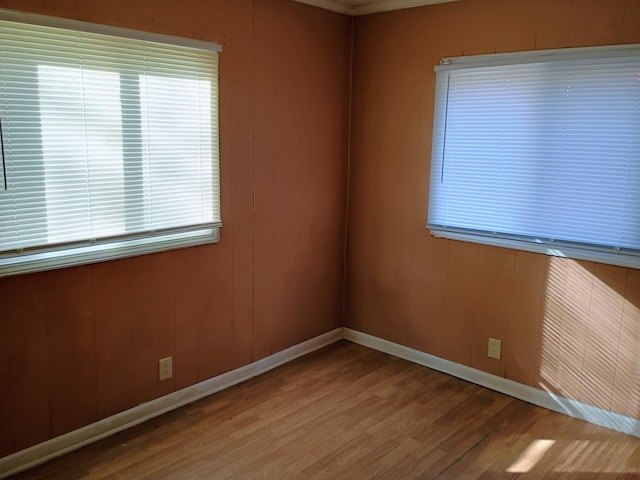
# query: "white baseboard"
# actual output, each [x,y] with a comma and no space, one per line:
[68,442]
[573,408]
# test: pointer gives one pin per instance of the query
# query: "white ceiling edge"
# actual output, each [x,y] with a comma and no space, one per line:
[371,7]
[329,5]
[389,5]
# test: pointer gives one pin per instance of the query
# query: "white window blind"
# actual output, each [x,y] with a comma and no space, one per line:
[540,152]
[110,142]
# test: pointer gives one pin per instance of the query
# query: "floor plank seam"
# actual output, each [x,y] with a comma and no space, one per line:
[349,412]
[465,453]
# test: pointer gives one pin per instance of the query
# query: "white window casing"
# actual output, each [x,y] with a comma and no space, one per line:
[540,151]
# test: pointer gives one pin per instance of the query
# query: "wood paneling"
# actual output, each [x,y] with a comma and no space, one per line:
[185,366]
[114,337]
[6,403]
[596,22]
[70,337]
[480,19]
[493,297]
[84,343]
[566,326]
[461,282]
[426,321]
[603,337]
[516,26]
[153,323]
[27,370]
[300,172]
[626,389]
[347,412]
[554,22]
[524,322]
[631,26]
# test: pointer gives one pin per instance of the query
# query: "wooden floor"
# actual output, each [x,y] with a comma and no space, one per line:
[348,412]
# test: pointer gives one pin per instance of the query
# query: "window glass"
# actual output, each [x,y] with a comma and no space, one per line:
[110,141]
[541,155]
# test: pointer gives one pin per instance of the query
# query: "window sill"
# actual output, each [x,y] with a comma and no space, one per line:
[627,259]
[38,261]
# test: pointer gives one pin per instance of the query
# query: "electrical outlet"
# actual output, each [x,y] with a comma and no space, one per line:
[165,368]
[495,348]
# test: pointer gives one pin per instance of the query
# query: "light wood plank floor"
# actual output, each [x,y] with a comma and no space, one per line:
[348,412]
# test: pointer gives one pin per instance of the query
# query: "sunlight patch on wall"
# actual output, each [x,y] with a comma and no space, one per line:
[565,326]
[590,348]
[626,397]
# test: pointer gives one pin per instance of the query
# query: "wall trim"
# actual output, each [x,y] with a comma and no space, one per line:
[541,398]
[331,5]
[55,447]
[374,6]
[391,5]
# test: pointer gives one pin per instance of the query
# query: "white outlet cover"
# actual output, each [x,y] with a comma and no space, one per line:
[494,348]
[165,368]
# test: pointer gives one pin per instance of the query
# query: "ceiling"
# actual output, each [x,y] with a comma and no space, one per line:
[364,7]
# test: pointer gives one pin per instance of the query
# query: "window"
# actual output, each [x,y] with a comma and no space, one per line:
[540,152]
[110,143]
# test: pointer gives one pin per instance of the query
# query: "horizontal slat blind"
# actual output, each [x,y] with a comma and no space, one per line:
[105,137]
[546,152]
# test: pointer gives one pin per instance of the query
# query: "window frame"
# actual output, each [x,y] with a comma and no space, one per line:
[626,257]
[46,257]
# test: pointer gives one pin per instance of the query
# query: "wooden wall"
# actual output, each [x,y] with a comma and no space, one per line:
[568,327]
[80,344]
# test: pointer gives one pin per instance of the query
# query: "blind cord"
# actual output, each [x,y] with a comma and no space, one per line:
[4,164]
